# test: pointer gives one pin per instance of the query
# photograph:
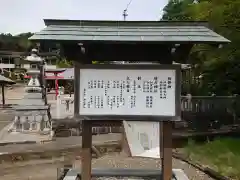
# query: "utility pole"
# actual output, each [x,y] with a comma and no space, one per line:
[125,14]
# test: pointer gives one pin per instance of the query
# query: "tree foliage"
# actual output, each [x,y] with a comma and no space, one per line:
[19,42]
[220,67]
[64,63]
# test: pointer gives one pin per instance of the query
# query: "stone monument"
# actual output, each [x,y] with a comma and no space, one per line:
[33,112]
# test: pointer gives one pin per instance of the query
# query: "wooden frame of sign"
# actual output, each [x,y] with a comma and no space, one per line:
[96,113]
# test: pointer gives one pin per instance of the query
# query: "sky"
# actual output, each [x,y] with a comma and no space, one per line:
[18,16]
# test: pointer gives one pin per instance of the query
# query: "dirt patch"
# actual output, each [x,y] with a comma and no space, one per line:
[56,153]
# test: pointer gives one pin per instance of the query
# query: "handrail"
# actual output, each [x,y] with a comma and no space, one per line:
[210,97]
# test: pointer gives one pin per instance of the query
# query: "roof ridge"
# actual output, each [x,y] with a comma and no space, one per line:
[49,22]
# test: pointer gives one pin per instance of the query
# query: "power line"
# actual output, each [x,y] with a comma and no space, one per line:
[129,4]
[125,14]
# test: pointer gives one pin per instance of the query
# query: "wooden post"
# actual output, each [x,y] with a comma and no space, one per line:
[56,84]
[86,149]
[3,95]
[161,139]
[167,150]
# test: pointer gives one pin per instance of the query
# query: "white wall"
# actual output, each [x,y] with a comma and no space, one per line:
[27,66]
[11,66]
[50,66]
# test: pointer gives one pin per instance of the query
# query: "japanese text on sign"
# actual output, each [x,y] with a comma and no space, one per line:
[127,92]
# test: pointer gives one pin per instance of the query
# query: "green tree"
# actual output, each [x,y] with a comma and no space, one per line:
[64,63]
[176,10]
[219,67]
[19,42]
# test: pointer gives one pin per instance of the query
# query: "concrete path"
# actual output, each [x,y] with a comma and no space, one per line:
[13,95]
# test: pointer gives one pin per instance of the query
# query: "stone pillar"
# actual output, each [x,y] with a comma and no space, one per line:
[14,126]
[18,124]
[33,126]
[42,124]
[26,124]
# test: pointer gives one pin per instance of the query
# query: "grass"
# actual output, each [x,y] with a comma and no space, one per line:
[222,155]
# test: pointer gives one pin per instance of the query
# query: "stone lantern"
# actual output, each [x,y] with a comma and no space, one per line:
[33,110]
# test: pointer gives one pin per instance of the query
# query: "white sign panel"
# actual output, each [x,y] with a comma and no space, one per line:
[127,92]
[141,136]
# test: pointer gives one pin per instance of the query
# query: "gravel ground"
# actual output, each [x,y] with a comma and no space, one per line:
[122,178]
[47,169]
[114,161]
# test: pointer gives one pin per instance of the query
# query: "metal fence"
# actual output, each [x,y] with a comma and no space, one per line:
[199,113]
[210,112]
[65,132]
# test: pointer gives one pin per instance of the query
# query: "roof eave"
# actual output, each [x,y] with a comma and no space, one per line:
[59,22]
[225,41]
[49,22]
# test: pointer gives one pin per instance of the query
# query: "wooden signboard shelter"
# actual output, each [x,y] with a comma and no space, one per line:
[4,81]
[159,41]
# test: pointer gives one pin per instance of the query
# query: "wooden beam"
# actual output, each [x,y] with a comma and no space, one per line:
[86,150]
[3,95]
[129,52]
[165,132]
[161,139]
[86,164]
[167,150]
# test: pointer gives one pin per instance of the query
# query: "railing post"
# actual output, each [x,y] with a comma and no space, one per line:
[235,108]
[189,100]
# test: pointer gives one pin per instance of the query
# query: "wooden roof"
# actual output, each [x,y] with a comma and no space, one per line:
[128,31]
[4,80]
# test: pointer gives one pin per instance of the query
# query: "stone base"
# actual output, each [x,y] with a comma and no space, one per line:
[180,175]
[21,138]
[138,173]
[29,126]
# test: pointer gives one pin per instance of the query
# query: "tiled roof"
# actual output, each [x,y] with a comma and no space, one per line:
[4,80]
[128,31]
